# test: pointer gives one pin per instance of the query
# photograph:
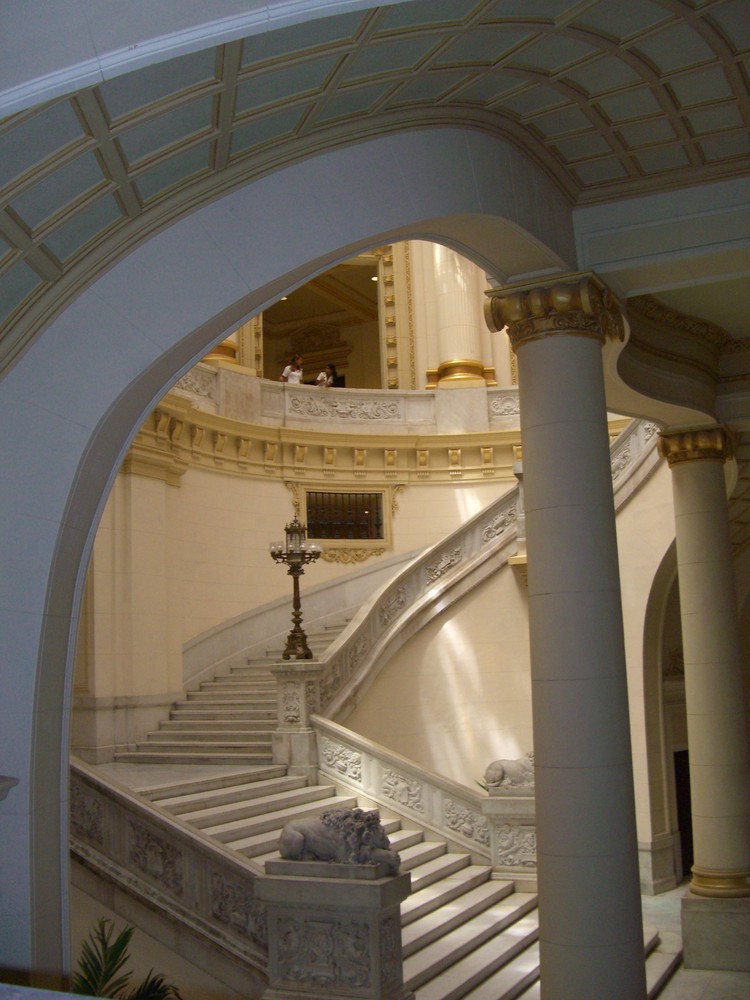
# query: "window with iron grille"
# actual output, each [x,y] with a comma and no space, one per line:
[357,516]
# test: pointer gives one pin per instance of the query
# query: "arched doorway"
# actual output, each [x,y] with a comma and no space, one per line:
[81,390]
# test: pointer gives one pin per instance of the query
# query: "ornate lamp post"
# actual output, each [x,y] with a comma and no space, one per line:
[296,554]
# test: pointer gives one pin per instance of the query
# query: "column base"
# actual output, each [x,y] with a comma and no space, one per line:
[716,933]
[720,884]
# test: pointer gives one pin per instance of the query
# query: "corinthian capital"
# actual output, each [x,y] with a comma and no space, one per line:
[710,445]
[581,306]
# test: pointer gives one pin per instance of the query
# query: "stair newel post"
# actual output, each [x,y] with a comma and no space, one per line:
[294,742]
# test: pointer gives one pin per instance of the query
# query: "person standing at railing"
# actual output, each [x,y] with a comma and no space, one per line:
[292,374]
[327,378]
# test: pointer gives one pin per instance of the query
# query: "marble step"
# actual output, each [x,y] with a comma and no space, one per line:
[219,744]
[235,679]
[418,854]
[436,869]
[400,839]
[219,724]
[196,712]
[449,915]
[660,967]
[187,802]
[242,831]
[443,888]
[237,685]
[507,924]
[219,815]
[174,789]
[181,756]
[517,977]
[218,736]
[222,697]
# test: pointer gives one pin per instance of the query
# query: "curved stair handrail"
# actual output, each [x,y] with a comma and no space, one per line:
[446,571]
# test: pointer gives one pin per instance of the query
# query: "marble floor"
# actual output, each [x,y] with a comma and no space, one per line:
[661,911]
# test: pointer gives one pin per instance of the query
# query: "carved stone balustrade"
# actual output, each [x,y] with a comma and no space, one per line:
[498,830]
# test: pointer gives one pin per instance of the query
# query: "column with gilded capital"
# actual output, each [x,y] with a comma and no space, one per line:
[716,708]
[591,936]
[453,283]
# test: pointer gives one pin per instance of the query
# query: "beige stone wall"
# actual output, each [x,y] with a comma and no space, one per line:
[171,561]
[458,695]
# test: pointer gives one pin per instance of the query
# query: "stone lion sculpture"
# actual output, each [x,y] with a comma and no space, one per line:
[511,773]
[348,836]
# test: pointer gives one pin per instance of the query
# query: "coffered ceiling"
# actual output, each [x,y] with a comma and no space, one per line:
[611,97]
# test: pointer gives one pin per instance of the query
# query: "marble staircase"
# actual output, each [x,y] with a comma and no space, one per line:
[465,932]
[459,925]
[228,719]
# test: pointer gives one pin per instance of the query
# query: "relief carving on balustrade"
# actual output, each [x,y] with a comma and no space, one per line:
[327,954]
[343,760]
[403,790]
[154,857]
[234,904]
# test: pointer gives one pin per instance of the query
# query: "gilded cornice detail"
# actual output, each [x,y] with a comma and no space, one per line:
[177,435]
[348,557]
[582,307]
[648,308]
[710,445]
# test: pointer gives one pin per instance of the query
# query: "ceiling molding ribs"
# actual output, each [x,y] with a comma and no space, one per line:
[95,121]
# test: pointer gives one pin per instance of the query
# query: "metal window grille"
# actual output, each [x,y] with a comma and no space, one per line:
[356,516]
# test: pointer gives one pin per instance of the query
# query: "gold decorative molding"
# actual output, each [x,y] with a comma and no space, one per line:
[410,317]
[722,884]
[710,445]
[520,565]
[460,370]
[650,309]
[581,306]
[349,556]
[178,435]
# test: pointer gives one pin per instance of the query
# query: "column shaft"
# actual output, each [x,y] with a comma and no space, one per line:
[591,935]
[716,707]
[591,928]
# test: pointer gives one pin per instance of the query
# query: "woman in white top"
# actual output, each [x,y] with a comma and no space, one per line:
[327,377]
[293,371]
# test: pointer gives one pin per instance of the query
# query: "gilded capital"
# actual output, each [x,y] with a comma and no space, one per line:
[582,306]
[710,445]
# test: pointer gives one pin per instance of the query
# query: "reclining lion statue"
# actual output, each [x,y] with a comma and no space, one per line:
[347,836]
[517,773]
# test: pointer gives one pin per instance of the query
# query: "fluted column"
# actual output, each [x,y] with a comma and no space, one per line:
[716,708]
[591,936]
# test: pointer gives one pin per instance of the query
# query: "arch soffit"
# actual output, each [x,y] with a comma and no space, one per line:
[102,363]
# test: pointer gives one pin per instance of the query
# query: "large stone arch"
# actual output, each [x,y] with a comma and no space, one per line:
[82,388]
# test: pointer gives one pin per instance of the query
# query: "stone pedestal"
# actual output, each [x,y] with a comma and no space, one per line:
[511,814]
[716,933]
[293,743]
[333,931]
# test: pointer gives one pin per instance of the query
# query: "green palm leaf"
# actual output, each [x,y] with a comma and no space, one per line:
[101,961]
[154,987]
